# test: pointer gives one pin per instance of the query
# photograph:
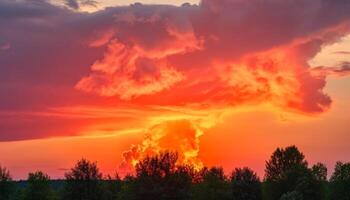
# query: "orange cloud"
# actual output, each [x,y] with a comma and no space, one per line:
[132,70]
[222,53]
[180,136]
[198,55]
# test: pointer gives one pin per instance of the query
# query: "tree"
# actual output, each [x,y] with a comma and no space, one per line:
[112,187]
[38,187]
[340,182]
[6,185]
[83,182]
[309,187]
[282,161]
[292,196]
[319,171]
[159,177]
[128,189]
[213,185]
[287,171]
[246,185]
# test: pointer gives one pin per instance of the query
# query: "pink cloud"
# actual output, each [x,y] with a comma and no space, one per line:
[217,53]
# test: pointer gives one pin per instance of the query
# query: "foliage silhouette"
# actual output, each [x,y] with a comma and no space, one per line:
[292,196]
[319,170]
[287,172]
[6,186]
[246,185]
[111,187]
[161,177]
[38,187]
[282,161]
[83,182]
[213,185]
[128,188]
[340,182]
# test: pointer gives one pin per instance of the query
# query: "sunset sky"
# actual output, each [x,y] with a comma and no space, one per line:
[222,82]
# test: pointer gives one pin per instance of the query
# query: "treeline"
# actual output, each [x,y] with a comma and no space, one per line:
[287,177]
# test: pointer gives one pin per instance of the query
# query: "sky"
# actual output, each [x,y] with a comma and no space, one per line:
[222,82]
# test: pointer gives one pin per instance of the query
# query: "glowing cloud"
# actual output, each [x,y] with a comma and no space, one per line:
[220,54]
[215,53]
[180,136]
[125,72]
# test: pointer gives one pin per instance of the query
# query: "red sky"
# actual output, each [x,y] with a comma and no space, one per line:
[223,82]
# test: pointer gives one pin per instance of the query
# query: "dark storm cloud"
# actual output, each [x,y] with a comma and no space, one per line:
[76,4]
[72,4]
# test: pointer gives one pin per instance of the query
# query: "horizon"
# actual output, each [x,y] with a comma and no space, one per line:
[222,82]
[116,173]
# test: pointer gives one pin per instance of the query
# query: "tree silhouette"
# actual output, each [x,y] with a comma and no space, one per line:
[319,170]
[340,182]
[159,177]
[282,161]
[112,187]
[128,189]
[309,187]
[83,182]
[292,196]
[38,187]
[6,185]
[213,185]
[287,172]
[245,185]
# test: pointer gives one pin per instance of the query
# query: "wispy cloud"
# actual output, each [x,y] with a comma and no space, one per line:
[342,52]
[343,69]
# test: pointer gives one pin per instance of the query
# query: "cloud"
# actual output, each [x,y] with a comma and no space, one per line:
[180,136]
[128,72]
[341,70]
[342,52]
[72,4]
[220,53]
[90,3]
[76,4]
[222,41]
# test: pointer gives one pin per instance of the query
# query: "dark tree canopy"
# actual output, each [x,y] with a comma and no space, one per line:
[287,173]
[6,186]
[319,171]
[111,187]
[83,182]
[246,184]
[159,177]
[341,172]
[213,185]
[282,161]
[292,196]
[84,170]
[38,187]
[5,174]
[340,182]
[128,189]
